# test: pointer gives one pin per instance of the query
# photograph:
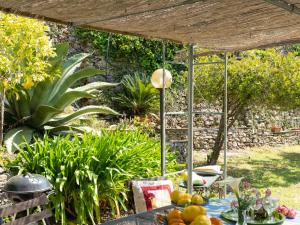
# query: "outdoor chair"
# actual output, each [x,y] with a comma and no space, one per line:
[131,200]
[14,209]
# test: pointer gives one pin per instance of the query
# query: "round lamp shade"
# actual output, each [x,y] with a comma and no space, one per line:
[157,78]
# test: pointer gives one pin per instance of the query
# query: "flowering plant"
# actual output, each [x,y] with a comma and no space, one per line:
[250,201]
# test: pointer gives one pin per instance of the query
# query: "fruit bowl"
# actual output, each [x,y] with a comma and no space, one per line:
[190,215]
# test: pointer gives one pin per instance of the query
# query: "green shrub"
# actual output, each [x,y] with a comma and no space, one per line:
[138,96]
[42,107]
[91,169]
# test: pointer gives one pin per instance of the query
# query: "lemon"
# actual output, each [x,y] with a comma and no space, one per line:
[201,220]
[197,200]
[184,176]
[184,199]
[191,212]
[175,195]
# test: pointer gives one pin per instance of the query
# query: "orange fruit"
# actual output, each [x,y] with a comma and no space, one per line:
[174,214]
[175,220]
[215,221]
[176,223]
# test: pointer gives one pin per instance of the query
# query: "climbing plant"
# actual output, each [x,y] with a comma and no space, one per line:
[129,54]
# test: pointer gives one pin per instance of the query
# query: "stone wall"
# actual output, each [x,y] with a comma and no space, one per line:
[252,130]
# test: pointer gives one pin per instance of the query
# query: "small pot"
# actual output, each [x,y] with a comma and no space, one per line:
[275,129]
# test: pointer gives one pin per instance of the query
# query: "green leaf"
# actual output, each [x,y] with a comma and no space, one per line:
[42,115]
[14,138]
[83,111]
[41,94]
[66,82]
[95,85]
[69,97]
[58,129]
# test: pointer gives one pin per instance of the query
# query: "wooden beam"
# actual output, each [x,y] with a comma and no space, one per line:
[285,5]
[187,2]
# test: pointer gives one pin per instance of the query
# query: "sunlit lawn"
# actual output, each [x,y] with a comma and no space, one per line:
[275,167]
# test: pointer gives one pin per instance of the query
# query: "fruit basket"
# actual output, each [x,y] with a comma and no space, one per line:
[276,218]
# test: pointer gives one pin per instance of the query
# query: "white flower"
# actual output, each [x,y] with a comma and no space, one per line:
[234,183]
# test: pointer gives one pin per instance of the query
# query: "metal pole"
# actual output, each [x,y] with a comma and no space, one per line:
[225,118]
[107,52]
[190,120]
[162,117]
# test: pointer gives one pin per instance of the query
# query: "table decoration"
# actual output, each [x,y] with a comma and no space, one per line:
[250,206]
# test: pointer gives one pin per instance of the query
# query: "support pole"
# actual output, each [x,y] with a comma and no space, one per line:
[190,120]
[225,117]
[162,117]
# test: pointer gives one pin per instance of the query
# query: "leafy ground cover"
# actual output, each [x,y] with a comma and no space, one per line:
[275,167]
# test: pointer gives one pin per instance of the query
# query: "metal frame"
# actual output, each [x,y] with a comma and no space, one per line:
[190,113]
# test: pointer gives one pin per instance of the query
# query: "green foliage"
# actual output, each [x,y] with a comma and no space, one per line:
[92,169]
[130,54]
[25,49]
[138,96]
[262,77]
[42,106]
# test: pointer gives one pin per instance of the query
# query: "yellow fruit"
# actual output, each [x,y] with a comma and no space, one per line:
[202,220]
[174,214]
[184,199]
[175,195]
[191,212]
[197,200]
[184,176]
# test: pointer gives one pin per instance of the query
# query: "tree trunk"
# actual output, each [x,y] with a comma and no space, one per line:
[2,97]
[212,159]
[219,141]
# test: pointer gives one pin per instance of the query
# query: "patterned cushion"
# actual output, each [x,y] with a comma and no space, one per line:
[149,195]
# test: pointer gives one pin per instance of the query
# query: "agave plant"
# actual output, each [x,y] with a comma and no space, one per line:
[42,107]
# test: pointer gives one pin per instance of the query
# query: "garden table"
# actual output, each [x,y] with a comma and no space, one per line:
[215,207]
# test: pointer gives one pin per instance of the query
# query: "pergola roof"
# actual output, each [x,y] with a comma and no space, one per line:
[212,24]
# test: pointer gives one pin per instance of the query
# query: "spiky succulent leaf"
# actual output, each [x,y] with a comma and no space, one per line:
[61,50]
[87,110]
[95,85]
[65,83]
[69,67]
[64,128]
[15,137]
[43,114]
[69,97]
[41,93]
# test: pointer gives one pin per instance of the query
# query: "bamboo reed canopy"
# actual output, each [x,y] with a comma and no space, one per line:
[212,24]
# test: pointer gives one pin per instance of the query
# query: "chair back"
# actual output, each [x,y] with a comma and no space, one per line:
[26,205]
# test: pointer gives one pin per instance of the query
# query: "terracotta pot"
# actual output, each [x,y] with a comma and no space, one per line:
[275,129]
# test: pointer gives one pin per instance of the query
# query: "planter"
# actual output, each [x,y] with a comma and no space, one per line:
[275,129]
